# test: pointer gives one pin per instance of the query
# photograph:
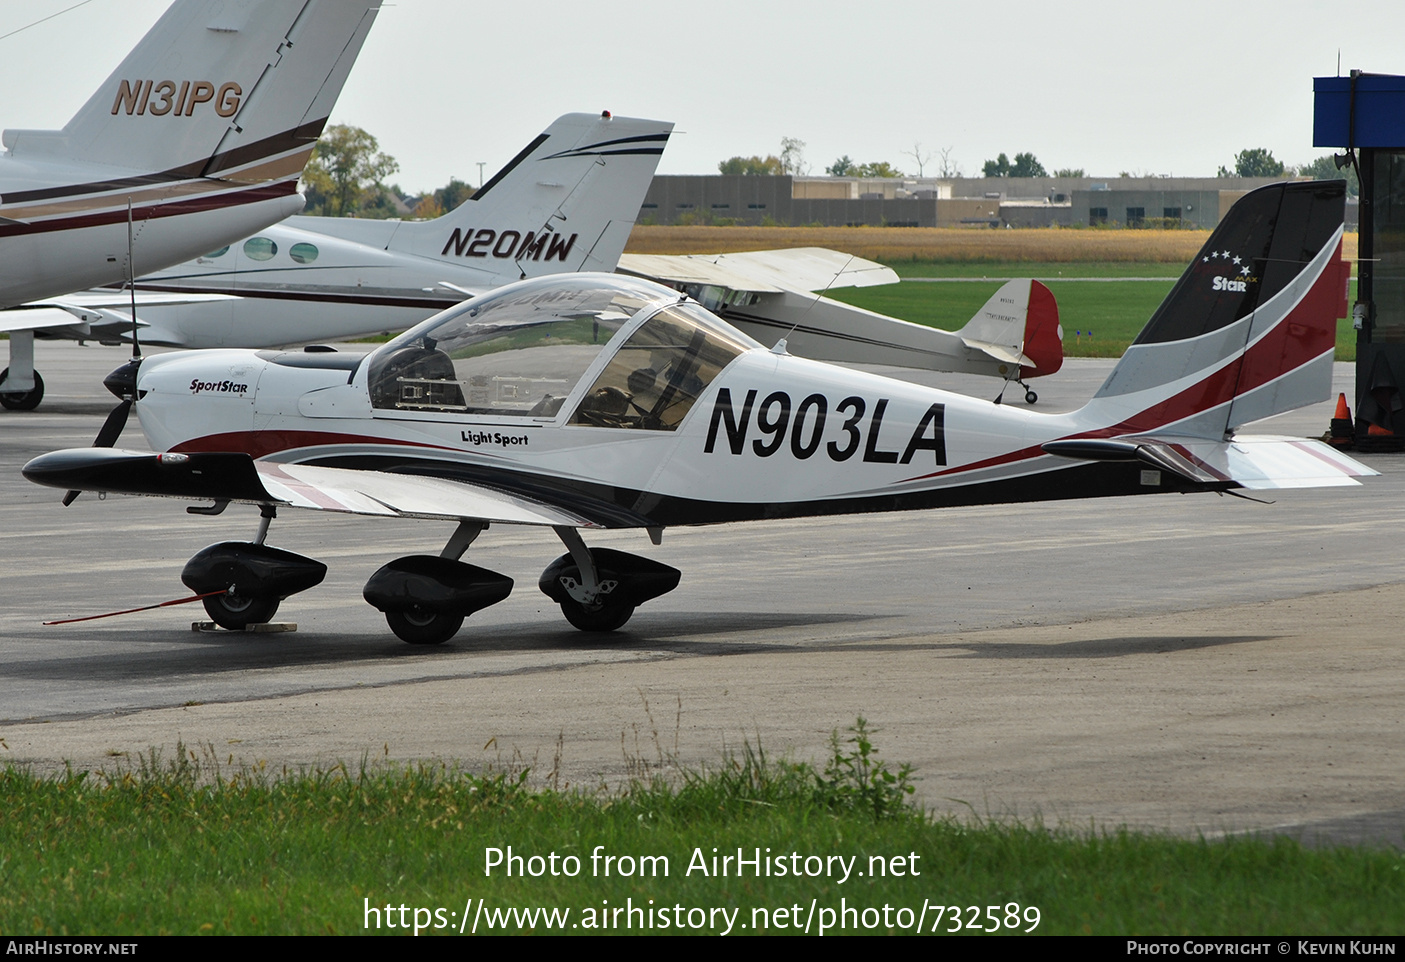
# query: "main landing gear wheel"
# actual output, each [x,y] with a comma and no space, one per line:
[237,612]
[1029,396]
[419,627]
[22,400]
[605,617]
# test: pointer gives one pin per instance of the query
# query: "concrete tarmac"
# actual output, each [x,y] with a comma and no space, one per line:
[1191,664]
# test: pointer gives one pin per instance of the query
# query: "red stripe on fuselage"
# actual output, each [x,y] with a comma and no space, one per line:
[190,205]
[258,444]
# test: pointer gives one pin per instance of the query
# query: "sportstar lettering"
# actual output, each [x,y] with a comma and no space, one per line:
[219,387]
[1225,284]
[807,426]
[483,437]
[162,97]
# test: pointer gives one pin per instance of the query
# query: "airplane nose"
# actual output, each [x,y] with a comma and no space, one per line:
[123,381]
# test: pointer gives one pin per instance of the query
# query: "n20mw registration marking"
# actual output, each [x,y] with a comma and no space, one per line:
[805,423]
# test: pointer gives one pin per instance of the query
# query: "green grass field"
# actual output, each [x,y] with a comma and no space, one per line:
[1114,312]
[177,848]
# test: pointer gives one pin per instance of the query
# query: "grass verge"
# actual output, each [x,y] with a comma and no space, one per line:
[181,846]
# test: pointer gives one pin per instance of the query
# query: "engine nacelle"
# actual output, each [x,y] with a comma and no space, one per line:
[253,570]
[436,585]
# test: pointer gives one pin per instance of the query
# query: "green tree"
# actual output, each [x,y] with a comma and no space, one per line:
[879,169]
[1070,172]
[752,166]
[1025,165]
[345,171]
[843,167]
[1254,162]
[793,156]
[454,193]
[1325,168]
[427,208]
[999,167]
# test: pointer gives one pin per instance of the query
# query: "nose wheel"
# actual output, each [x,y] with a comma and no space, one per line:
[236,611]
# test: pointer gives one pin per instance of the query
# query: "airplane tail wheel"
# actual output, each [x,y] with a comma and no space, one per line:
[606,617]
[22,400]
[237,612]
[419,627]
[1030,397]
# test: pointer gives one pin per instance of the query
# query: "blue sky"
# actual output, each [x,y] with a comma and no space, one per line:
[1149,88]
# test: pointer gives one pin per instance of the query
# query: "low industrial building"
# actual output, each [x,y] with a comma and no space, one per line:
[1132,202]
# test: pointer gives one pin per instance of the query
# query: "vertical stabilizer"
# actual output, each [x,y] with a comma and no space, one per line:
[566,202]
[1020,321]
[232,89]
[1249,329]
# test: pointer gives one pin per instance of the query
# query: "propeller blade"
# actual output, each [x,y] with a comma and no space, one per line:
[123,383]
[112,427]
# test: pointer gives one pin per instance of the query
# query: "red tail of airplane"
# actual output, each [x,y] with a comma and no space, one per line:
[1043,336]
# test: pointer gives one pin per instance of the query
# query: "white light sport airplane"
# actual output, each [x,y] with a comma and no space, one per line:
[566,202]
[587,401]
[196,139]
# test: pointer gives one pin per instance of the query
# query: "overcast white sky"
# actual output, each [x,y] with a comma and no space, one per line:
[1146,87]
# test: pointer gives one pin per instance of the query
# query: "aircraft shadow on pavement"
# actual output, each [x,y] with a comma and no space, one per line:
[173,653]
[1083,648]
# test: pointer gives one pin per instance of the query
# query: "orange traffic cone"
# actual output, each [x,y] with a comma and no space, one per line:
[1342,434]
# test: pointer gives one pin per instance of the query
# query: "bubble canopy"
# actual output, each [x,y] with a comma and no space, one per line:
[611,351]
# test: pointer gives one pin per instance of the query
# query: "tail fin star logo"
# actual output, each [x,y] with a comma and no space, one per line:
[1239,270]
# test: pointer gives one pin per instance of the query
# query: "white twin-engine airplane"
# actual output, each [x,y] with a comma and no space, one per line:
[566,202]
[197,139]
[588,401]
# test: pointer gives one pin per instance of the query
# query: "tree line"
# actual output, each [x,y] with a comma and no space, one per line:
[346,175]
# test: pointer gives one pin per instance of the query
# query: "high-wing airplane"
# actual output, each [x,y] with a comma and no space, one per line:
[196,139]
[769,295]
[588,401]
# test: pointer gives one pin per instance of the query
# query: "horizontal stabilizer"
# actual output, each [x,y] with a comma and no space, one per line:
[1252,462]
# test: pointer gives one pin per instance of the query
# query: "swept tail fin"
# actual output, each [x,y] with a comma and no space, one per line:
[1249,329]
[566,202]
[231,89]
